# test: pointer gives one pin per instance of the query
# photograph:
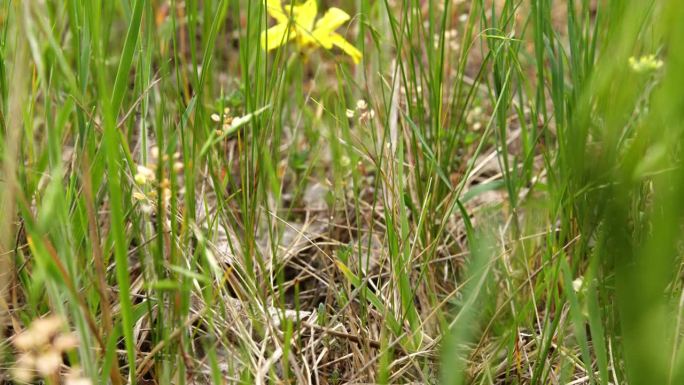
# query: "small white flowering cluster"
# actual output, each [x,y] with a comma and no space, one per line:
[474,118]
[362,111]
[225,120]
[578,284]
[40,348]
[645,64]
[146,176]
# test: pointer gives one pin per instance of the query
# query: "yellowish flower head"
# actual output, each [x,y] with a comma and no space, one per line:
[645,64]
[299,22]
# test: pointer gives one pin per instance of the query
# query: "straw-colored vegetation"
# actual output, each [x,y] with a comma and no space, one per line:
[341,191]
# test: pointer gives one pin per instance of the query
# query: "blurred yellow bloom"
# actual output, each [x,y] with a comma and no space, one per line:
[305,29]
[645,64]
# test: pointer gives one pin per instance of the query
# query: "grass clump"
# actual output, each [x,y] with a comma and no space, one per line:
[477,191]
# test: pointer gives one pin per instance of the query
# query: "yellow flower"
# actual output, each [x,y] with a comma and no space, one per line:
[305,29]
[645,64]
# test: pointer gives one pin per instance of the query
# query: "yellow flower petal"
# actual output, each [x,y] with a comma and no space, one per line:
[322,38]
[304,17]
[306,14]
[332,19]
[346,47]
[276,36]
[299,21]
[275,10]
[325,26]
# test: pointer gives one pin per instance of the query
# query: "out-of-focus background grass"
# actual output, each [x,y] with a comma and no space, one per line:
[493,195]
